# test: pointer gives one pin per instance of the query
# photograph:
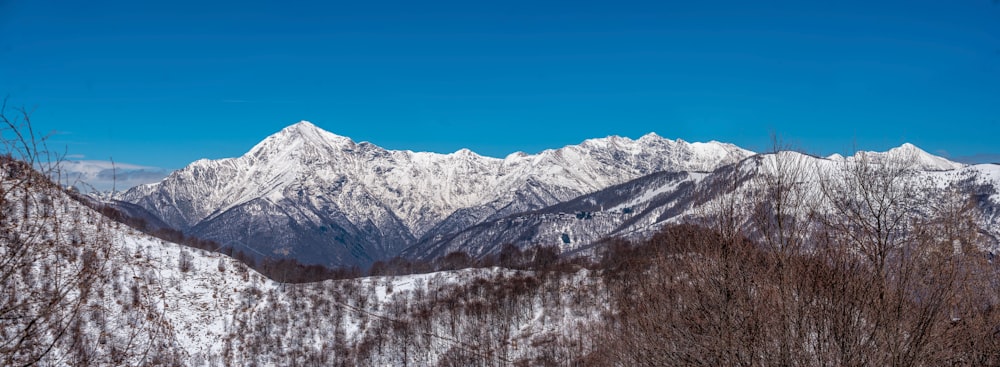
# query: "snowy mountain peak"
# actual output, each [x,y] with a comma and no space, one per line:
[922,159]
[307,130]
[294,138]
[715,146]
[652,136]
[908,153]
[715,149]
[908,149]
[307,193]
[515,155]
[302,125]
[465,152]
[605,142]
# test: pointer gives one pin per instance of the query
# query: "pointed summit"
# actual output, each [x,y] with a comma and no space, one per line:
[294,136]
[301,127]
[923,159]
[908,148]
[306,129]
[918,157]
[302,124]
[465,152]
[652,136]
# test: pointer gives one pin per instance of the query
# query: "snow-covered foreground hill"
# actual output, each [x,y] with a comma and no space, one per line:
[124,298]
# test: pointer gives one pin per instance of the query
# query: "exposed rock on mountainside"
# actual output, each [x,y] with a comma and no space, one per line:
[307,194]
[318,197]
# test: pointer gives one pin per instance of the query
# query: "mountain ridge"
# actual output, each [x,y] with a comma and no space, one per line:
[388,198]
[318,197]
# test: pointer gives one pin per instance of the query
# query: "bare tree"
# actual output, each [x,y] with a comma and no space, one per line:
[782,199]
[41,280]
[877,267]
[55,257]
[873,199]
[915,262]
[780,221]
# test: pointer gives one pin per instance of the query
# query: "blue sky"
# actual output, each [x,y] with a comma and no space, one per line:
[161,84]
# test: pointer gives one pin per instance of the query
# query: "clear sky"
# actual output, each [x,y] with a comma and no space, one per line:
[163,83]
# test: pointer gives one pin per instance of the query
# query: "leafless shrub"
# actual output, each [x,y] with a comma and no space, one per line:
[56,282]
[871,277]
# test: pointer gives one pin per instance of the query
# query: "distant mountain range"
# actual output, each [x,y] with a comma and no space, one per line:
[320,198]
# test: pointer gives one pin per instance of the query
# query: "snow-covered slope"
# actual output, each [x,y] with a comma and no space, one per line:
[322,198]
[573,224]
[124,298]
[908,152]
[639,208]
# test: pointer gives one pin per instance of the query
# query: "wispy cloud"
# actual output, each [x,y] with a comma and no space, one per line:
[95,175]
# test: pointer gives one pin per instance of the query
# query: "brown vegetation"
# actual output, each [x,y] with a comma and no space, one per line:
[868,278]
[57,269]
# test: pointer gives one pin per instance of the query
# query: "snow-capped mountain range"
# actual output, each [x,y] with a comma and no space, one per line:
[309,194]
[636,209]
[322,198]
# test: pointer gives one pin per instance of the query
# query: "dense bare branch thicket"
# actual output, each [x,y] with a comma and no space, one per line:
[877,268]
[780,218]
[55,269]
[39,303]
